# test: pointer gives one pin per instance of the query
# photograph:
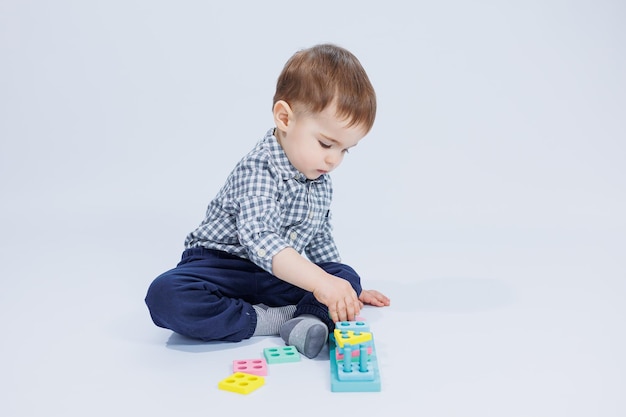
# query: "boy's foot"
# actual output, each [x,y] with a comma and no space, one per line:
[270,319]
[307,333]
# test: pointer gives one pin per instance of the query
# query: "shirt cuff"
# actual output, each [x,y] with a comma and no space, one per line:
[262,247]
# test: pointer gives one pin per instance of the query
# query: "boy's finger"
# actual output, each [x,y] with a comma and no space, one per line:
[332,313]
[349,309]
[342,313]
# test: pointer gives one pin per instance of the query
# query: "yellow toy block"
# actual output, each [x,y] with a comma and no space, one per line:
[241,383]
[349,336]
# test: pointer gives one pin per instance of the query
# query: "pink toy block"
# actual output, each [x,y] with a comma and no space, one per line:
[355,353]
[251,366]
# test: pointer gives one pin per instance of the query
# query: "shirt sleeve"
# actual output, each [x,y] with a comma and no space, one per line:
[323,248]
[258,216]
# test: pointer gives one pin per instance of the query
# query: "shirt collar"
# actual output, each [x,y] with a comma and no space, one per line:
[287,171]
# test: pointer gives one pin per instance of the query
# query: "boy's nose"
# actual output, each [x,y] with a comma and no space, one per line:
[332,159]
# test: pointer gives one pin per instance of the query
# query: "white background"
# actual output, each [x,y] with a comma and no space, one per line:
[488,201]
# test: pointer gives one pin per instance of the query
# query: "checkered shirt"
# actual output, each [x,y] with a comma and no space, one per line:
[267,205]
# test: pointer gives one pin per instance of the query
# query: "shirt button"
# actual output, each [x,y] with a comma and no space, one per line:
[293,235]
[261,253]
[311,215]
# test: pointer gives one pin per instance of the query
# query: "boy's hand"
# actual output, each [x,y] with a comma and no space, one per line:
[374,298]
[340,298]
[335,293]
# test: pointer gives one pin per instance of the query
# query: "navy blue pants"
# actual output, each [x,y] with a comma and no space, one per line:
[209,295]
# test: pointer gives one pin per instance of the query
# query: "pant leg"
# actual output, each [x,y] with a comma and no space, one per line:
[309,304]
[209,296]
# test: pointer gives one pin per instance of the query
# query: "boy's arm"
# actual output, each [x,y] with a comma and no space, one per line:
[322,247]
[336,293]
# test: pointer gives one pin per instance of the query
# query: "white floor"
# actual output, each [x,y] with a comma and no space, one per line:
[488,202]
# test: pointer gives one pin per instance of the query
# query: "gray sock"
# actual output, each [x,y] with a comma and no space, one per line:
[307,333]
[269,319]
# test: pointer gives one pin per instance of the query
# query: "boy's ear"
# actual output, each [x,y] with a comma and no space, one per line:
[283,115]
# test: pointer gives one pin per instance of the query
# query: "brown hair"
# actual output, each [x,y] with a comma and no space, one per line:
[323,74]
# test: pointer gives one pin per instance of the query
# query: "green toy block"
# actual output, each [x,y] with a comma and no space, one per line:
[282,354]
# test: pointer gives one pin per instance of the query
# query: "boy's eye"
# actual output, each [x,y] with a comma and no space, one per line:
[324,145]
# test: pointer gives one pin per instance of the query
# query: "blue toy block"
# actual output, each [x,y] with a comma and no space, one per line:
[356,326]
[364,368]
[282,354]
[359,371]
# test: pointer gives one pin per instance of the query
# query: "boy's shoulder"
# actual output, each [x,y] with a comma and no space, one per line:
[267,154]
[263,150]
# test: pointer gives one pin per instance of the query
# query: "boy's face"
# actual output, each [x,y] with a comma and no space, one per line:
[315,144]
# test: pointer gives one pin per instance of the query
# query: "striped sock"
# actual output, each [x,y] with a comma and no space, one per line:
[269,319]
[307,333]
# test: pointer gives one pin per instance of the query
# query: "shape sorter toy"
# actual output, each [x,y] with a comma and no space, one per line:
[353,364]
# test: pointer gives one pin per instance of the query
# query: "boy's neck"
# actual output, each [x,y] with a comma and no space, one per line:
[277,135]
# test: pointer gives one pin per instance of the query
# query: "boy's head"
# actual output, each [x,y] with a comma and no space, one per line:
[313,79]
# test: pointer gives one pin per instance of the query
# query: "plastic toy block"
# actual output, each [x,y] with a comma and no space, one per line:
[282,354]
[357,326]
[355,353]
[347,370]
[241,383]
[358,385]
[349,336]
[251,366]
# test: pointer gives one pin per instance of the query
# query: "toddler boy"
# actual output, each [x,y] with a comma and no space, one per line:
[263,261]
